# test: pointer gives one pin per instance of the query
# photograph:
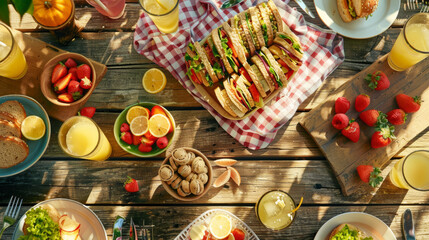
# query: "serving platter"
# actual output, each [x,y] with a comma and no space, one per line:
[366,222]
[362,28]
[36,148]
[91,226]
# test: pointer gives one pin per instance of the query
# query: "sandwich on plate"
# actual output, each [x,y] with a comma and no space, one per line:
[348,231]
[353,9]
[225,42]
[45,222]
[199,69]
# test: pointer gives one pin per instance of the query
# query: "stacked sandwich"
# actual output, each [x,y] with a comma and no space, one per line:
[246,59]
[13,149]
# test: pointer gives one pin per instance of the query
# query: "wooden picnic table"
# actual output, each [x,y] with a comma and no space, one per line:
[292,162]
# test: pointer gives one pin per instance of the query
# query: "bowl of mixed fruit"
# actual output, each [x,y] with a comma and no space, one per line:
[144,129]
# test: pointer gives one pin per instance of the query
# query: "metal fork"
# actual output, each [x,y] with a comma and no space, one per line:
[11,213]
[425,6]
[412,4]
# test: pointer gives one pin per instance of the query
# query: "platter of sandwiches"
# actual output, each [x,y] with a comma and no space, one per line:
[244,63]
[16,152]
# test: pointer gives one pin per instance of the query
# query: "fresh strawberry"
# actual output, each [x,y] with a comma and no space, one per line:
[372,116]
[342,105]
[397,116]
[59,72]
[127,137]
[145,148]
[131,185]
[125,127]
[369,174]
[85,83]
[84,70]
[238,234]
[149,136]
[340,121]
[158,110]
[382,137]
[377,80]
[65,97]
[75,90]
[61,84]
[70,63]
[362,101]
[147,141]
[162,142]
[87,112]
[137,140]
[352,131]
[73,71]
[407,103]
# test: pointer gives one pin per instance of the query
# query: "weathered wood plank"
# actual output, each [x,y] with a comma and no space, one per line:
[170,221]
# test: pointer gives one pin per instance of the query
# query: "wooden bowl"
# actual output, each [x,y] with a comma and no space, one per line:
[207,186]
[45,78]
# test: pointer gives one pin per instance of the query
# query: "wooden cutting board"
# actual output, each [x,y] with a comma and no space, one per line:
[37,53]
[344,155]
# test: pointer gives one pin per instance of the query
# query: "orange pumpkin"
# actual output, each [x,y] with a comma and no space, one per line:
[52,13]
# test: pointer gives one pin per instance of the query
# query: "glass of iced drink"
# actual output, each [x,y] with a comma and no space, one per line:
[12,61]
[275,209]
[164,13]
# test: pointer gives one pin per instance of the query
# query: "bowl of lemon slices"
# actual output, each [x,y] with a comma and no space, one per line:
[144,129]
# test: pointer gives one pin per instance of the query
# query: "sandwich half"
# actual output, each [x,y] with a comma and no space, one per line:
[226,103]
[253,75]
[214,58]
[267,28]
[239,97]
[349,232]
[238,28]
[275,18]
[196,69]
[224,46]
[287,52]
[257,28]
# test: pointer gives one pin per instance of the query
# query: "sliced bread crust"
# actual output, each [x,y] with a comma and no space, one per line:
[257,26]
[255,79]
[15,108]
[9,117]
[235,39]
[245,30]
[276,14]
[13,151]
[206,62]
[275,65]
[8,128]
[224,100]
[255,59]
[265,17]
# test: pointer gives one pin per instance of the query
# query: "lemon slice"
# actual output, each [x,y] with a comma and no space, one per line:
[163,5]
[159,125]
[154,81]
[139,125]
[220,226]
[137,111]
[33,128]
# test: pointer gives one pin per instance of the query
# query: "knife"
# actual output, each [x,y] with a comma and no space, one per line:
[304,7]
[133,230]
[230,3]
[408,225]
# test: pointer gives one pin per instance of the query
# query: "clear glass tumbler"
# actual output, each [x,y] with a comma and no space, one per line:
[164,13]
[12,61]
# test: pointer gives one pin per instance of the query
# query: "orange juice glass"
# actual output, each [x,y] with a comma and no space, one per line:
[81,137]
[12,61]
[164,13]
[412,171]
[274,209]
[412,44]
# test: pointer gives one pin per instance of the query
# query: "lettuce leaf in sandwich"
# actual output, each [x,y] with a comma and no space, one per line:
[348,234]
[40,226]
[295,44]
[228,50]
[271,69]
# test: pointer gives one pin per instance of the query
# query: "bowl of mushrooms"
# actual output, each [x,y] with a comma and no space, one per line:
[186,174]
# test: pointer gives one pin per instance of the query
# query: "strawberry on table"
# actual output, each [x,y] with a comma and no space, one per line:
[127,137]
[131,185]
[397,116]
[143,147]
[383,136]
[340,121]
[85,83]
[84,70]
[362,101]
[73,71]
[125,127]
[75,90]
[369,174]
[342,105]
[352,131]
[61,84]
[65,97]
[87,112]
[59,71]
[407,103]
[70,63]
[377,80]
[372,116]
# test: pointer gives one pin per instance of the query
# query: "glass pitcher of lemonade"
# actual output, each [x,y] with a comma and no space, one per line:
[12,61]
[275,209]
[164,13]
[81,137]
[412,171]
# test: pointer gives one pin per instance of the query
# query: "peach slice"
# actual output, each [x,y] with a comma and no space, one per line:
[225,162]
[235,175]
[222,179]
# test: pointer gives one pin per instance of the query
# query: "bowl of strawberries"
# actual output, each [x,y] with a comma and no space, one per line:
[67,79]
[144,129]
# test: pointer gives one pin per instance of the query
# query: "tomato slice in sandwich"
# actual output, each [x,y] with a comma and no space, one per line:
[195,78]
[243,72]
[254,92]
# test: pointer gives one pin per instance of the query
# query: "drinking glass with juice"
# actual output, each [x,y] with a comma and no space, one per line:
[412,44]
[164,13]
[412,171]
[80,137]
[12,61]
[113,9]
[275,209]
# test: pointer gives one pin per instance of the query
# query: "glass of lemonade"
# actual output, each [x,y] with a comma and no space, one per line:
[274,209]
[164,13]
[412,171]
[80,137]
[412,44]
[12,61]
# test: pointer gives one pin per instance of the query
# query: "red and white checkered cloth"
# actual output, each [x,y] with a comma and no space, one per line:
[323,52]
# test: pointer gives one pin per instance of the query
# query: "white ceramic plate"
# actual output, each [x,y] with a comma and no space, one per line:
[91,227]
[366,222]
[380,21]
